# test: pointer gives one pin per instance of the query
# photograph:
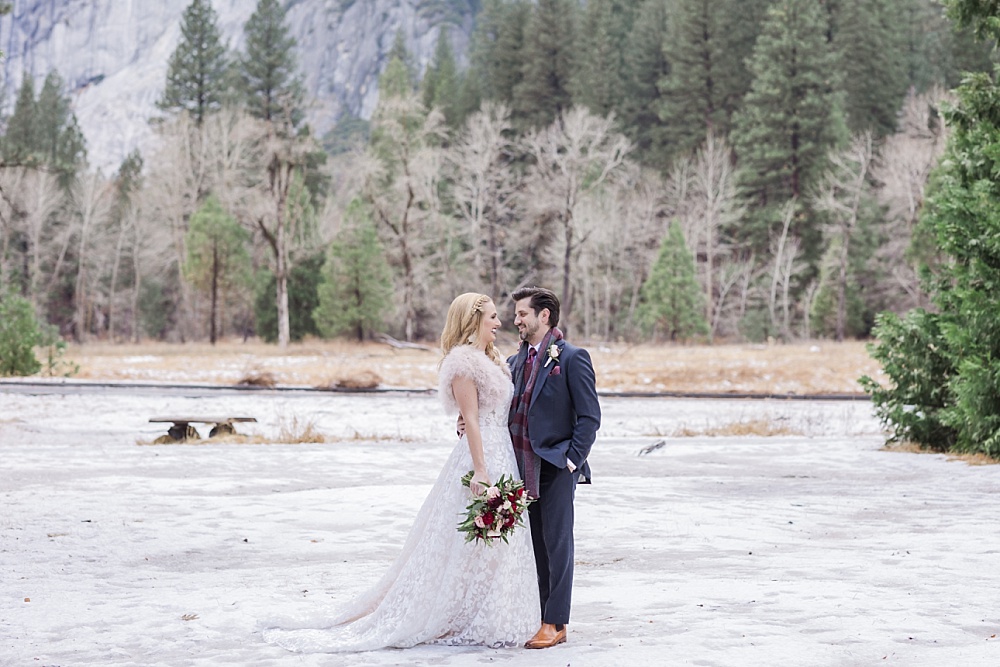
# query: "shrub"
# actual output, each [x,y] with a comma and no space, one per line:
[913,353]
[19,334]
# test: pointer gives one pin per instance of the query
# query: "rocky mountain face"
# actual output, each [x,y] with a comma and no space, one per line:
[113,55]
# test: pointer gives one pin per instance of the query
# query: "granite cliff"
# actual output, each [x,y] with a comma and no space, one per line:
[113,54]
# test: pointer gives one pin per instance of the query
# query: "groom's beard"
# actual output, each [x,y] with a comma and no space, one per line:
[527,333]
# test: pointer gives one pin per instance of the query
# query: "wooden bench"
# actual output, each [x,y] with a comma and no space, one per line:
[181,429]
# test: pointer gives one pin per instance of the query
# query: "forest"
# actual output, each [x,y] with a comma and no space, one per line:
[677,170]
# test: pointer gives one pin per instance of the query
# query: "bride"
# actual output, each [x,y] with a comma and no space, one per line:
[441,589]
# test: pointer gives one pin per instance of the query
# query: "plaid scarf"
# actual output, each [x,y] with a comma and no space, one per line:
[528,462]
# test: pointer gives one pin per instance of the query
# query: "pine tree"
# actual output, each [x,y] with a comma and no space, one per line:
[21,139]
[355,291]
[871,57]
[267,70]
[692,95]
[707,46]
[742,23]
[645,65]
[441,84]
[402,54]
[217,259]
[598,81]
[197,76]
[548,62]
[791,117]
[672,301]
[44,131]
[497,47]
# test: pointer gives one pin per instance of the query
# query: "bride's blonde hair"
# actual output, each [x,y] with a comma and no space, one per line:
[465,316]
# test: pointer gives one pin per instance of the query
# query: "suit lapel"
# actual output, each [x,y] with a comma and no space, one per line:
[543,372]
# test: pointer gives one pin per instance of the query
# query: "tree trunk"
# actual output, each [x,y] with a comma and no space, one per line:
[137,284]
[281,278]
[567,296]
[114,283]
[212,336]
[842,288]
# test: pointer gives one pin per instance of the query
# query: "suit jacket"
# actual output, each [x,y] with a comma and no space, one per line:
[564,414]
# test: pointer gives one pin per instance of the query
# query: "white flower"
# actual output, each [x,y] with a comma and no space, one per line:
[479,522]
[553,355]
[506,505]
[492,492]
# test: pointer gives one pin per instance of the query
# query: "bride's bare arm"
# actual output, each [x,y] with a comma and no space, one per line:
[467,397]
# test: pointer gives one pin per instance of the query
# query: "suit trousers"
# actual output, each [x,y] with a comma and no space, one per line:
[551,521]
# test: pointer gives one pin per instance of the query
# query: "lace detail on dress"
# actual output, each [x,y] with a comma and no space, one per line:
[441,590]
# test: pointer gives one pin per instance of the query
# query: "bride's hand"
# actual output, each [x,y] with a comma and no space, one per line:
[478,483]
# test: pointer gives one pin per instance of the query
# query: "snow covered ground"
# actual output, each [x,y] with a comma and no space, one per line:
[805,550]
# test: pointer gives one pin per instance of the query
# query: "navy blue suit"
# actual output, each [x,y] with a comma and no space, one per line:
[563,418]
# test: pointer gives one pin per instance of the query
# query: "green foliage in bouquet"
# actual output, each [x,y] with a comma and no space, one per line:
[496,513]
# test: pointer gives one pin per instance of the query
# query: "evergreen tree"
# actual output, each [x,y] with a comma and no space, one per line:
[547,64]
[217,259]
[791,117]
[19,334]
[303,281]
[598,81]
[197,76]
[45,131]
[944,366]
[441,84]
[267,70]
[872,60]
[646,65]
[21,139]
[52,115]
[402,54]
[742,23]
[355,291]
[497,47]
[707,46]
[672,300]
[693,98]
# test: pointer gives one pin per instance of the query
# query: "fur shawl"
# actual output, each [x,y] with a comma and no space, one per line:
[492,380]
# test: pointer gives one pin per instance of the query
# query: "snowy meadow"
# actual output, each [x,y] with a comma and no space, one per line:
[815,547]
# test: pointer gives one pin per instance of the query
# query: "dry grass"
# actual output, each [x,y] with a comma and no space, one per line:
[362,379]
[295,430]
[742,428]
[255,377]
[801,368]
[914,448]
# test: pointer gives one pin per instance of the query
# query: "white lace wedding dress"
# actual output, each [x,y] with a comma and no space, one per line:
[442,590]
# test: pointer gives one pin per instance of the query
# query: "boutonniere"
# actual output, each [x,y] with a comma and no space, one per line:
[553,355]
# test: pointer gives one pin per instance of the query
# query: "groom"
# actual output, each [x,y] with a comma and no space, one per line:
[554,418]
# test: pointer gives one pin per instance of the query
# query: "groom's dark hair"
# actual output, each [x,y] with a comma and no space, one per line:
[541,298]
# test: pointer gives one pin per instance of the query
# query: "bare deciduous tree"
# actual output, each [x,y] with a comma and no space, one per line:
[400,166]
[903,170]
[485,190]
[91,202]
[573,158]
[841,193]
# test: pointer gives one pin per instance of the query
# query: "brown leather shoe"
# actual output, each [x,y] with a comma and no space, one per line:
[547,636]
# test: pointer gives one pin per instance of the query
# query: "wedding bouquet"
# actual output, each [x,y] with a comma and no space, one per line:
[496,512]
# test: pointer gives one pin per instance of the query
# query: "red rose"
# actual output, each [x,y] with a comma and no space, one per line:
[509,523]
[488,518]
[512,498]
[520,492]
